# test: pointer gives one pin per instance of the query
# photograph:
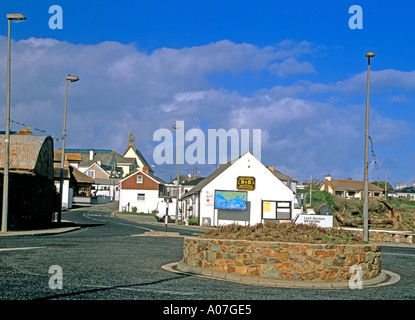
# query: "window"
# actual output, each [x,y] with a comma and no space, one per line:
[91,173]
[283,210]
[139,179]
[141,197]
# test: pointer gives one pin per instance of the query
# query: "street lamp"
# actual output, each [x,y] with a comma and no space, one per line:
[369,55]
[176,127]
[16,17]
[71,79]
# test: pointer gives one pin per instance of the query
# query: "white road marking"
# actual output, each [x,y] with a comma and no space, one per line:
[15,249]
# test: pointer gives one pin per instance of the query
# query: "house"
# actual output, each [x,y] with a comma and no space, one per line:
[349,188]
[242,191]
[76,185]
[32,198]
[408,192]
[100,165]
[142,190]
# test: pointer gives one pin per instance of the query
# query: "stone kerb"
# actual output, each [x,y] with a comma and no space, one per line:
[300,262]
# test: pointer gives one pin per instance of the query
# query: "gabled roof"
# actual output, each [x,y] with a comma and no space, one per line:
[79,176]
[203,183]
[150,175]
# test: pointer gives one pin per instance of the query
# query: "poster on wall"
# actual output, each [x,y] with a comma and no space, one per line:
[269,210]
[209,198]
[231,200]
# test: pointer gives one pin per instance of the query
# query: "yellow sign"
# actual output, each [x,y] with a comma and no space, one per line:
[245,183]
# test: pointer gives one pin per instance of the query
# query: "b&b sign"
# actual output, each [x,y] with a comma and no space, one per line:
[245,183]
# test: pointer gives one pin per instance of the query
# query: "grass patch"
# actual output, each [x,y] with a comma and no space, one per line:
[284,232]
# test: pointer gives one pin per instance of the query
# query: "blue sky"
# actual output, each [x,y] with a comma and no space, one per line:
[293,69]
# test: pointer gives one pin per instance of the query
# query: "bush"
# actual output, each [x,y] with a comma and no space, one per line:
[134,209]
[193,221]
[284,232]
[319,197]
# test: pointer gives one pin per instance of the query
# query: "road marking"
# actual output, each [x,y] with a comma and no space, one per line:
[15,249]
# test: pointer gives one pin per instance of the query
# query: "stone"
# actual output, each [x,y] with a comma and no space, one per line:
[242,270]
[330,273]
[254,271]
[269,252]
[322,253]
[284,266]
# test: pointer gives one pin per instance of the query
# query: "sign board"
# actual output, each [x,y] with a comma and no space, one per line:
[209,198]
[319,220]
[231,200]
[245,183]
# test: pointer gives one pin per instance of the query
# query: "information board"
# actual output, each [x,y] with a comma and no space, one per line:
[231,200]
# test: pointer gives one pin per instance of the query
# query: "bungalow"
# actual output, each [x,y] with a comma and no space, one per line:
[142,190]
[408,192]
[349,189]
[242,191]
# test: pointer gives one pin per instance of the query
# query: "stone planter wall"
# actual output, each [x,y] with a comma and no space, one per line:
[282,261]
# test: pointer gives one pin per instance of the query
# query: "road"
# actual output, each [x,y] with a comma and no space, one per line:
[110,259]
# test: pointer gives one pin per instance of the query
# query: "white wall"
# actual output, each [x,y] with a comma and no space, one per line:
[67,197]
[130,196]
[267,187]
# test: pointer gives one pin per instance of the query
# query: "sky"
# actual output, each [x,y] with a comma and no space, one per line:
[296,70]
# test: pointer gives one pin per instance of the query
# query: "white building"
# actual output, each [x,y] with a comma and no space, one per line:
[141,190]
[253,194]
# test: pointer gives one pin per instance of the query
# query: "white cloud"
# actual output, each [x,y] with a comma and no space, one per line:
[122,88]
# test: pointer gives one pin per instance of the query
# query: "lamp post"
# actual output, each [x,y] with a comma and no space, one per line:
[369,56]
[176,127]
[71,79]
[16,17]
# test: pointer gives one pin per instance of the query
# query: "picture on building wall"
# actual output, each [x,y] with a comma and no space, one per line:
[231,200]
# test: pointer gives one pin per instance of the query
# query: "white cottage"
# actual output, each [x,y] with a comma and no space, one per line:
[243,191]
[141,190]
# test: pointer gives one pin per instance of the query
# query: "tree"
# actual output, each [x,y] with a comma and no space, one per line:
[381,184]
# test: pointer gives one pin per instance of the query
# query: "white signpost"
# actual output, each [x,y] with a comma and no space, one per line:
[319,220]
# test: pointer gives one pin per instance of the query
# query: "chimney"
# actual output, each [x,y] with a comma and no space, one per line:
[328,177]
[91,154]
[99,161]
[145,169]
[271,168]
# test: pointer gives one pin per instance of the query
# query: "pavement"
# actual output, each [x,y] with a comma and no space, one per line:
[65,226]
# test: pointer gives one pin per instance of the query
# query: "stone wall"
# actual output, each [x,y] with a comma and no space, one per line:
[279,260]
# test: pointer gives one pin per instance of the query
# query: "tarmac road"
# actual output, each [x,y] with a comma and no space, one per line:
[108,258]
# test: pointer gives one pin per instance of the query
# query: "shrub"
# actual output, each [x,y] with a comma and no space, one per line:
[134,209]
[284,232]
[318,197]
